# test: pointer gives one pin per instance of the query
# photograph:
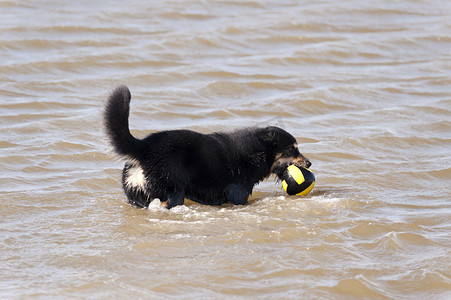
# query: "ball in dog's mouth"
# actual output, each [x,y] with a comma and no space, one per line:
[297,180]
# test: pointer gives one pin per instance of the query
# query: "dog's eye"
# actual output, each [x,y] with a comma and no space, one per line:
[289,150]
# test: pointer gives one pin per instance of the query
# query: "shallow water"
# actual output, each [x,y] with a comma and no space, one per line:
[365,88]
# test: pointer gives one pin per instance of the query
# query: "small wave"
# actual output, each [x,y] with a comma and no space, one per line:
[360,287]
[441,174]
[394,241]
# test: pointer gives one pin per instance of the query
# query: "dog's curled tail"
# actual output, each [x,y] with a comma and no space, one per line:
[116,114]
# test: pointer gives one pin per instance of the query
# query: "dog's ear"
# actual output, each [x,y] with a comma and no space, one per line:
[269,136]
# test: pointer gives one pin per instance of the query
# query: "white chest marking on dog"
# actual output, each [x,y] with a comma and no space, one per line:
[135,177]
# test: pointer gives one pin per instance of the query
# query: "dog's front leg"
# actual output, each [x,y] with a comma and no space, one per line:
[174,199]
[237,194]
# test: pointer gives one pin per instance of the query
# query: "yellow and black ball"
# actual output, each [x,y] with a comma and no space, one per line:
[298,180]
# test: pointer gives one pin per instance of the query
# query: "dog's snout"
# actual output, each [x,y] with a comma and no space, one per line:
[302,162]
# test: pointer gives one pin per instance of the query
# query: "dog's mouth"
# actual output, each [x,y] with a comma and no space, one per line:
[282,163]
[301,162]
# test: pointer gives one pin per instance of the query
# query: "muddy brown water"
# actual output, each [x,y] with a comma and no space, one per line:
[363,85]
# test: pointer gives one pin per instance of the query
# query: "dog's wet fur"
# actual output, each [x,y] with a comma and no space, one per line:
[211,168]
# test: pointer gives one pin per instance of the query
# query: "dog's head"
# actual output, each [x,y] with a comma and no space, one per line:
[282,149]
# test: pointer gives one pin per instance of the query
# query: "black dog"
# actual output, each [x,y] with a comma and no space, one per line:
[211,169]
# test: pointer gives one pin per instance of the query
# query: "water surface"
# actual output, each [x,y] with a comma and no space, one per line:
[363,86]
